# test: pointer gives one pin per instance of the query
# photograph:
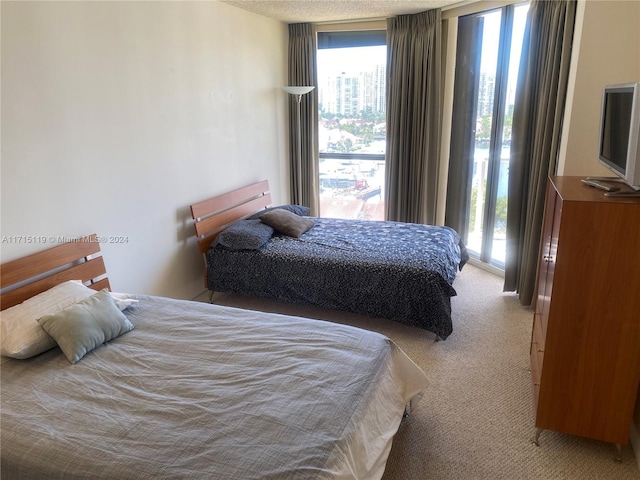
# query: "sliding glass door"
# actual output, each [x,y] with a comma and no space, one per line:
[487,61]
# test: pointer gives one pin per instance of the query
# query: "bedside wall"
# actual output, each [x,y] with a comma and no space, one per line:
[116,116]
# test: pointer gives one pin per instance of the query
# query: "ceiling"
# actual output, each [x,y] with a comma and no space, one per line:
[317,11]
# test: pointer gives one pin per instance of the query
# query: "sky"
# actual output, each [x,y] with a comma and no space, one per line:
[334,61]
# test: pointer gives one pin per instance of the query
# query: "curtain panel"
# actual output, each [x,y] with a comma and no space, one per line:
[414,105]
[463,123]
[303,71]
[537,126]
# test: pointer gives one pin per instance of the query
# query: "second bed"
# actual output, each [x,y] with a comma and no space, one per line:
[394,270]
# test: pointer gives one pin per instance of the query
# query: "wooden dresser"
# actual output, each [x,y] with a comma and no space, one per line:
[585,345]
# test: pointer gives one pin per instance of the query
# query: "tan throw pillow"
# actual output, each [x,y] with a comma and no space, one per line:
[286,222]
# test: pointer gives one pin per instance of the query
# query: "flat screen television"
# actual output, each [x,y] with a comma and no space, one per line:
[619,148]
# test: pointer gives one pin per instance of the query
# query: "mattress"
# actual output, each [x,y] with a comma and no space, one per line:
[202,391]
[394,270]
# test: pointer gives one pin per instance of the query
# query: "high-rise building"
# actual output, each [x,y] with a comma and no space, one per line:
[351,94]
[486,89]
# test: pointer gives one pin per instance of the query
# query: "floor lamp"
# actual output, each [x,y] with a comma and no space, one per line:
[298,92]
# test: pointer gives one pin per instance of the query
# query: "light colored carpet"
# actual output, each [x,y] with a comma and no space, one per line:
[476,419]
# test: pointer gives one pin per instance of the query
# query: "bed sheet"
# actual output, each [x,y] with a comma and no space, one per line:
[400,271]
[201,391]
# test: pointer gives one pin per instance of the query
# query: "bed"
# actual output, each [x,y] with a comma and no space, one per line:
[393,270]
[191,390]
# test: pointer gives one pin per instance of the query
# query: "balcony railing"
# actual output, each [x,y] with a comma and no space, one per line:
[352,186]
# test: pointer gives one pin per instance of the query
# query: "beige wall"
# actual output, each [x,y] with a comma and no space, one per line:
[116,116]
[608,52]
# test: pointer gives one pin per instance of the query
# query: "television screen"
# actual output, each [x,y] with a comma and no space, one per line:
[619,142]
[616,119]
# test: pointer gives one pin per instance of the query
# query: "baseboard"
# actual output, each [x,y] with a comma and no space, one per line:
[634,436]
[487,267]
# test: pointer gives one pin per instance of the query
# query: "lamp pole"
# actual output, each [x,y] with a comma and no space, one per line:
[298,92]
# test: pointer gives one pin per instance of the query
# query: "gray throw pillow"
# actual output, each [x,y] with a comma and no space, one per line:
[245,235]
[86,325]
[297,209]
[286,222]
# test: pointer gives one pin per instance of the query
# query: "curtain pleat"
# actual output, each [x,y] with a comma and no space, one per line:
[537,126]
[303,71]
[413,116]
[463,123]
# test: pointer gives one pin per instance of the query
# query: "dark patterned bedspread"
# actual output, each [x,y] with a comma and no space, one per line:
[399,271]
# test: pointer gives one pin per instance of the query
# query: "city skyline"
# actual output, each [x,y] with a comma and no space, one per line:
[352,80]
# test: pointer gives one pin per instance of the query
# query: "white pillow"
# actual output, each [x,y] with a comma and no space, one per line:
[21,336]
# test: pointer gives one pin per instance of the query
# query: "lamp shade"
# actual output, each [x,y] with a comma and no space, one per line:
[298,90]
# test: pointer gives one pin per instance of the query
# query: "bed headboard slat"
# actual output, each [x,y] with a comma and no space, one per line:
[224,201]
[75,260]
[213,214]
[100,284]
[214,222]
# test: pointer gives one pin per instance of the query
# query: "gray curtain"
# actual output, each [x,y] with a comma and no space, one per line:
[463,123]
[414,101]
[537,126]
[303,71]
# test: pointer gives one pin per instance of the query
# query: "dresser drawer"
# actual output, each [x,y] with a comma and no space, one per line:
[538,336]
[535,373]
[536,367]
[536,355]
[538,340]
[539,323]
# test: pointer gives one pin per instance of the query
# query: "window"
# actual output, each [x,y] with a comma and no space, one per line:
[352,123]
[489,46]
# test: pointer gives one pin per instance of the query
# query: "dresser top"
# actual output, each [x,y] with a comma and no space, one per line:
[572,189]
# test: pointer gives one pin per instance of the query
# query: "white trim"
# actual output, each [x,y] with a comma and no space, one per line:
[476,6]
[485,266]
[571,87]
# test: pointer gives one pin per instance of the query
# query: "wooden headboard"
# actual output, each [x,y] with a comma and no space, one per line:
[214,214]
[79,259]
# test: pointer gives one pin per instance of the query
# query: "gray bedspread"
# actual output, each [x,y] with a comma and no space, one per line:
[201,391]
[394,270]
